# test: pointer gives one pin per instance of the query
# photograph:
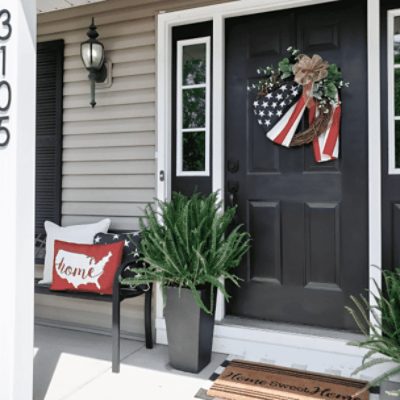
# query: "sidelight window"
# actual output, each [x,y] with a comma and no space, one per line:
[394,90]
[193,107]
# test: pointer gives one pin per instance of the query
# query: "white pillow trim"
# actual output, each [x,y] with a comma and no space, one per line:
[81,234]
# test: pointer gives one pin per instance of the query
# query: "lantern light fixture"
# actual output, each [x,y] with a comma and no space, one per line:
[92,54]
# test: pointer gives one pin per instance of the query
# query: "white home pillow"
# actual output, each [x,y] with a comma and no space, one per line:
[82,234]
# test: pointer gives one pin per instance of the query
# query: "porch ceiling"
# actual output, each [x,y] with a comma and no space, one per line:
[53,5]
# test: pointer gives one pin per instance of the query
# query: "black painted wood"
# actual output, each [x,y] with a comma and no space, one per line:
[187,184]
[49,111]
[309,221]
[120,293]
[390,183]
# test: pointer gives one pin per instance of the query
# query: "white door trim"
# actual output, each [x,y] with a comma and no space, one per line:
[374,145]
[218,13]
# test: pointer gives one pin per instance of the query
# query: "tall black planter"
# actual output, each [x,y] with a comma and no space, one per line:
[189,330]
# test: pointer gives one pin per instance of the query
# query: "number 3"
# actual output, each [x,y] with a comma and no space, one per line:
[4,133]
[6,23]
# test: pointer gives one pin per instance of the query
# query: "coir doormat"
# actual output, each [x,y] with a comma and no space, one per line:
[247,380]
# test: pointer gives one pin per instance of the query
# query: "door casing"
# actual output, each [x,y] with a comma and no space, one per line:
[218,13]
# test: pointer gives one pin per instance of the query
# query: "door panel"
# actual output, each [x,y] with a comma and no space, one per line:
[264,222]
[308,221]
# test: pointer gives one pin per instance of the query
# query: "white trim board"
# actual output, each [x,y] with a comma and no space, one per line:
[218,14]
[309,352]
[289,349]
[17,203]
[374,145]
[44,6]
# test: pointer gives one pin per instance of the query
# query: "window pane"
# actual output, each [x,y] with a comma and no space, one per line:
[194,108]
[397,143]
[194,64]
[397,40]
[194,151]
[397,91]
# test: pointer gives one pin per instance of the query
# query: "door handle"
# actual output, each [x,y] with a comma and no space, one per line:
[233,188]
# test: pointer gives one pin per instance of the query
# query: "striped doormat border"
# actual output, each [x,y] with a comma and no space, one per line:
[202,392]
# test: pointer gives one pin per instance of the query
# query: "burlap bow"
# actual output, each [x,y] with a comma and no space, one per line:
[309,70]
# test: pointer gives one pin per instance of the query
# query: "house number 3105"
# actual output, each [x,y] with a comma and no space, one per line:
[5,87]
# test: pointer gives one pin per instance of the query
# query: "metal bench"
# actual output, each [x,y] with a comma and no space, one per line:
[120,293]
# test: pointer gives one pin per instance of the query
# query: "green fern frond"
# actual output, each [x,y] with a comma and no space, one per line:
[380,323]
[189,242]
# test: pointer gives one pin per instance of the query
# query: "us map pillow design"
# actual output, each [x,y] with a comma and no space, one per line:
[85,268]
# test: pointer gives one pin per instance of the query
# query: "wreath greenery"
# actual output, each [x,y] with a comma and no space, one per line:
[325,91]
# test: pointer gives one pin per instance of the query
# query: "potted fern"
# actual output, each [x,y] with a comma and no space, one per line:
[188,249]
[380,323]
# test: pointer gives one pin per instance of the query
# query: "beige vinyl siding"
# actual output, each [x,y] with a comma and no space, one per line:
[108,152]
[116,139]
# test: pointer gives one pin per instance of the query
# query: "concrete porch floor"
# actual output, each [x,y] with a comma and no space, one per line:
[77,366]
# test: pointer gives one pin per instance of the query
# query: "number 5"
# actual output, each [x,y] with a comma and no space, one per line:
[4,133]
[6,23]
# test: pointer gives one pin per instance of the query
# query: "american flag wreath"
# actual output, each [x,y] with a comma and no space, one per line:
[285,92]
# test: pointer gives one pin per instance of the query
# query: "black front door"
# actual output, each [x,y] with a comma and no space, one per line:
[309,221]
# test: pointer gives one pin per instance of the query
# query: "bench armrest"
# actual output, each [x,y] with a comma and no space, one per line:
[119,274]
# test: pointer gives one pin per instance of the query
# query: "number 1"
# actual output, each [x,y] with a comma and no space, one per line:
[3,57]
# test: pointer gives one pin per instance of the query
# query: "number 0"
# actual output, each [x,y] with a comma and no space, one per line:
[8,87]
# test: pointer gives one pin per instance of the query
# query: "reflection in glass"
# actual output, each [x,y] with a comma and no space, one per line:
[194,108]
[397,40]
[194,151]
[194,64]
[397,144]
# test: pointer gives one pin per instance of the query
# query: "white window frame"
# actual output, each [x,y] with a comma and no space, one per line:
[392,118]
[179,107]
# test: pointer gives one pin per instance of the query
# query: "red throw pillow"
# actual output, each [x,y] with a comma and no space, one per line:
[85,267]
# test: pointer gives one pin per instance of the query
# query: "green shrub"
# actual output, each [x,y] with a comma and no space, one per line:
[380,323]
[188,243]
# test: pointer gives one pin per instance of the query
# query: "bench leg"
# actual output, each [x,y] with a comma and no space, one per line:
[147,318]
[116,327]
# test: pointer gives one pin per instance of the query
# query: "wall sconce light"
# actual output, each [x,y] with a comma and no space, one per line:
[92,54]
